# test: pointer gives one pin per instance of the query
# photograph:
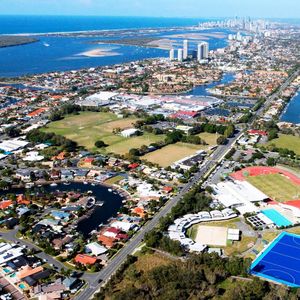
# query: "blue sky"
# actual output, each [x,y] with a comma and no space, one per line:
[155,8]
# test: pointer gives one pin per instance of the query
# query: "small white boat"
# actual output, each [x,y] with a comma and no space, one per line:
[29,185]
[67,183]
[110,190]
[85,182]
[53,184]
[46,44]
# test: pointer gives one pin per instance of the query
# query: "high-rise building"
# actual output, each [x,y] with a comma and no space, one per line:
[172,54]
[185,49]
[202,53]
[180,54]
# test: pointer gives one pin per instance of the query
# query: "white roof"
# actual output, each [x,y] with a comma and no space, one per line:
[102,96]
[233,231]
[95,248]
[265,219]
[12,145]
[124,226]
[10,254]
[129,131]
[233,237]
[239,193]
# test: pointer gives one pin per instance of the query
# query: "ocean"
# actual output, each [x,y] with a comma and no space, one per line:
[56,53]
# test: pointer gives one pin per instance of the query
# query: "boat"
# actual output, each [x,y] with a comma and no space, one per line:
[90,202]
[110,190]
[53,184]
[85,182]
[93,184]
[90,192]
[46,44]
[29,185]
[67,183]
[100,203]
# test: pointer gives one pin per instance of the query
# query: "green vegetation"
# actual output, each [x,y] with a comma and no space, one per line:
[276,186]
[286,141]
[204,276]
[87,128]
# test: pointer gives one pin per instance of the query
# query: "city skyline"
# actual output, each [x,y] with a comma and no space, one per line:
[147,8]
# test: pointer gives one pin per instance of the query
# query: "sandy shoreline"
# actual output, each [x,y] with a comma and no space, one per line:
[98,53]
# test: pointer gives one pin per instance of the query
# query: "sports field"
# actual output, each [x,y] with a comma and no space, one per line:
[166,156]
[278,187]
[287,141]
[89,127]
[172,153]
[280,261]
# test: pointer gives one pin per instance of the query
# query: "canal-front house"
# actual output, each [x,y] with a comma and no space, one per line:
[67,175]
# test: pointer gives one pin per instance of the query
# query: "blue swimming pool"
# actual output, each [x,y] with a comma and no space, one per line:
[277,217]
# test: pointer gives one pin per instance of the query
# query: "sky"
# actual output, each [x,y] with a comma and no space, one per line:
[155,8]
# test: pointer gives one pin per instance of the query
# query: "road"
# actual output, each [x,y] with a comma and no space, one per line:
[11,236]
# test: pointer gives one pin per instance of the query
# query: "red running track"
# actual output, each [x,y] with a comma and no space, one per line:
[256,171]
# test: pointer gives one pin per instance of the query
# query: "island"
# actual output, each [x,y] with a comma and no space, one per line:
[9,41]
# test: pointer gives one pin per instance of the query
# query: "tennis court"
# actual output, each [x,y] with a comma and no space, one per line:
[280,262]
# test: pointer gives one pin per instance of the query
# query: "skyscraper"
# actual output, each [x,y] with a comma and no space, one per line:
[180,55]
[172,54]
[185,49]
[202,51]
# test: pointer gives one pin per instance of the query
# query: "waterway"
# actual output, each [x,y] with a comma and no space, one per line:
[292,112]
[112,202]
[202,90]
[61,53]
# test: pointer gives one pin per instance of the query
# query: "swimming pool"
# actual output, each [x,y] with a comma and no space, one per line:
[13,275]
[22,286]
[276,217]
[6,270]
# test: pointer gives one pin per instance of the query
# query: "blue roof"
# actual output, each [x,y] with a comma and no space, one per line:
[60,214]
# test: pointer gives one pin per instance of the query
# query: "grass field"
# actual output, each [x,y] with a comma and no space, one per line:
[276,186]
[209,138]
[172,153]
[89,127]
[287,141]
[166,156]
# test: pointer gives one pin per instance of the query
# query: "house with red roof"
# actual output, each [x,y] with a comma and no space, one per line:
[257,132]
[5,204]
[133,166]
[85,259]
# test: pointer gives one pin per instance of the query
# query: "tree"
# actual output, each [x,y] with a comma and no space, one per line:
[134,152]
[221,140]
[100,144]
[271,161]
